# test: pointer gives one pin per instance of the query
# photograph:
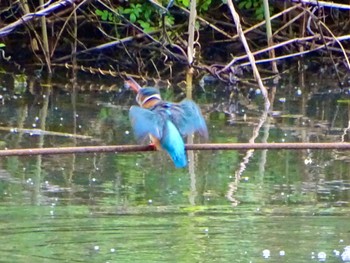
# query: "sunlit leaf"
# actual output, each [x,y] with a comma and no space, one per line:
[143,24]
[132,18]
[343,101]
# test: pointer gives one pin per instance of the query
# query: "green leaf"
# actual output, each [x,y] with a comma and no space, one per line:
[2,45]
[150,29]
[169,20]
[103,14]
[248,4]
[147,13]
[241,4]
[186,3]
[144,25]
[127,11]
[98,12]
[132,18]
[104,17]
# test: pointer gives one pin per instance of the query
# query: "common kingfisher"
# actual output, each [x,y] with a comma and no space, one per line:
[166,123]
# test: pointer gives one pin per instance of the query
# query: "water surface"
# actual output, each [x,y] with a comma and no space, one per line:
[228,206]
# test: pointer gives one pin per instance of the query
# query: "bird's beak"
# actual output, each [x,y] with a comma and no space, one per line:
[132,84]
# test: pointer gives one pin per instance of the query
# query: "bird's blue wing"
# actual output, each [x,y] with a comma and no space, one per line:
[188,118]
[145,122]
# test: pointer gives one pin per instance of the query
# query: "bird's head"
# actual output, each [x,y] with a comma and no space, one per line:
[147,97]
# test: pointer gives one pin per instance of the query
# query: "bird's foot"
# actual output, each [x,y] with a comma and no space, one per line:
[153,145]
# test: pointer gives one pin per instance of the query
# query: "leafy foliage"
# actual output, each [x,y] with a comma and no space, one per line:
[105,15]
[146,14]
[257,5]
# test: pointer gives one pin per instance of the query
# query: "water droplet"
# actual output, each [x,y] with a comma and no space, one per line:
[150,201]
[266,253]
[345,256]
[321,256]
[96,248]
[127,132]
[282,253]
[93,179]
[312,255]
[36,118]
[34,125]
[112,250]
[308,161]
[283,100]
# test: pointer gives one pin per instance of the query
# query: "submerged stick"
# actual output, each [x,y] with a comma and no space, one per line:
[197,147]
[44,132]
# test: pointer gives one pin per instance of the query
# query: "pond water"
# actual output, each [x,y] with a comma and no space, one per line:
[228,206]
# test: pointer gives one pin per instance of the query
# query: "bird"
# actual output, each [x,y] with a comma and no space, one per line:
[165,123]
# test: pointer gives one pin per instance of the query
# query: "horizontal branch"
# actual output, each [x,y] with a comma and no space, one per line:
[197,147]
[324,4]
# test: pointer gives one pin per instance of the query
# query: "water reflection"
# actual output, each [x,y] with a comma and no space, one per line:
[106,207]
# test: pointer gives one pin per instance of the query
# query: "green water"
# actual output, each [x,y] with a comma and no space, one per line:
[228,206]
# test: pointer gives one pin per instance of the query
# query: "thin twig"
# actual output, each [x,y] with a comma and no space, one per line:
[256,73]
[27,17]
[43,132]
[258,24]
[323,3]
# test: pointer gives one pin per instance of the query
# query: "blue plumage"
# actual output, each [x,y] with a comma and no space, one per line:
[174,145]
[166,122]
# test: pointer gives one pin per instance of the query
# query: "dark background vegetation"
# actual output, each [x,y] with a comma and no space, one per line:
[149,38]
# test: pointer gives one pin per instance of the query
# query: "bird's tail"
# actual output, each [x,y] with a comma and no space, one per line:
[173,143]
